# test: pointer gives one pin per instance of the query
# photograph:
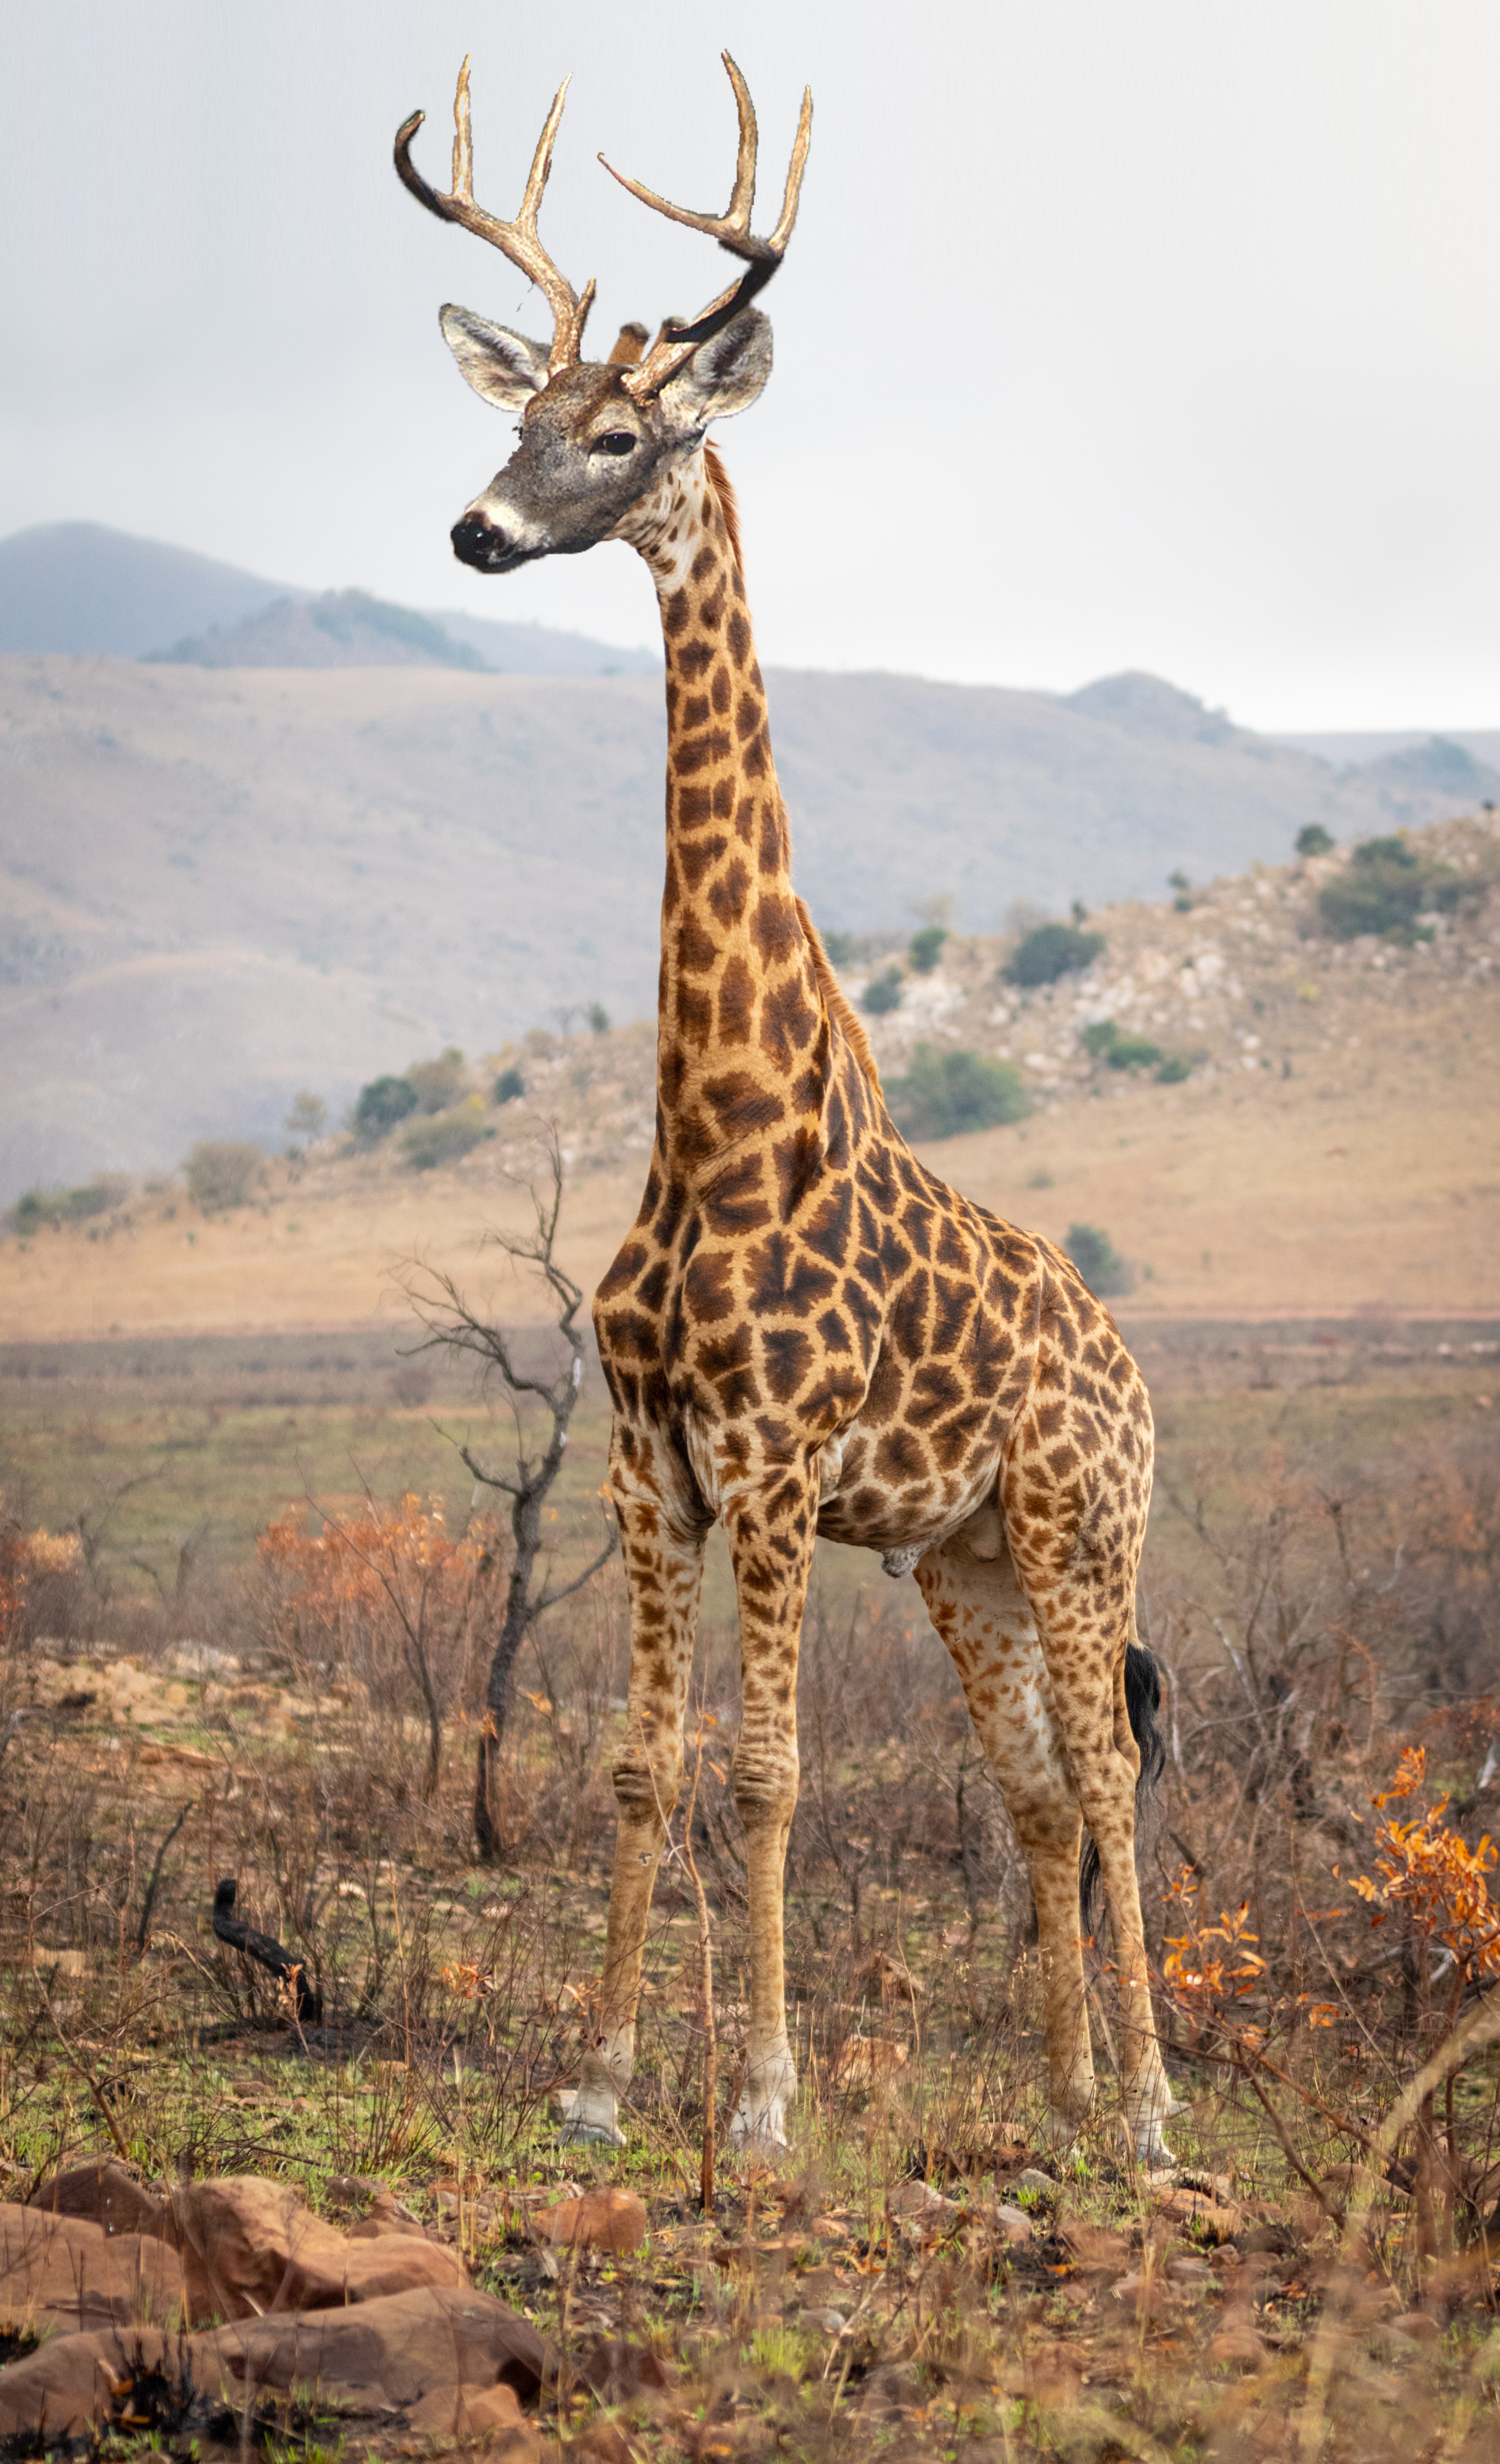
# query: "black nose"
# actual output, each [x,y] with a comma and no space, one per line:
[481,542]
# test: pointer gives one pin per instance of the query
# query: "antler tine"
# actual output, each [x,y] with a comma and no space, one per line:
[676,343]
[518,241]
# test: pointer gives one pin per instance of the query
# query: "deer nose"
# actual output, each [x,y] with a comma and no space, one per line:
[478,540]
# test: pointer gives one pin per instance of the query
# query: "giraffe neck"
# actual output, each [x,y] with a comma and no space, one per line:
[741,1037]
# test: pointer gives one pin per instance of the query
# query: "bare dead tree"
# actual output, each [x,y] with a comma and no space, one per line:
[453,1325]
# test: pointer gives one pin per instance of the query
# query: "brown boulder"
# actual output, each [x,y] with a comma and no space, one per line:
[105,2193]
[398,2350]
[610,2220]
[444,2356]
[250,2246]
[65,2272]
[71,2381]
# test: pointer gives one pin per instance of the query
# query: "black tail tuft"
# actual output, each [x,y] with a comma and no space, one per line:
[1142,1702]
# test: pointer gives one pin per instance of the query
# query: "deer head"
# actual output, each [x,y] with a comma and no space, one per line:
[598,436]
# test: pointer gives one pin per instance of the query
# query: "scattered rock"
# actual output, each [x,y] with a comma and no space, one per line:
[1220,2218]
[917,2207]
[1146,2296]
[607,2220]
[68,2272]
[1416,2327]
[832,2322]
[1029,2179]
[1237,2344]
[1012,2224]
[1094,2245]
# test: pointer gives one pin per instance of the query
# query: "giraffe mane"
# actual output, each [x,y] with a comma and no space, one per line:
[835,1002]
[728,504]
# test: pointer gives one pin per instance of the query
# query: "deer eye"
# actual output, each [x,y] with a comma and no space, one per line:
[619,440]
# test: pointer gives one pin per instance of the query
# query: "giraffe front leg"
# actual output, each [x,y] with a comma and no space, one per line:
[663,1567]
[771,1540]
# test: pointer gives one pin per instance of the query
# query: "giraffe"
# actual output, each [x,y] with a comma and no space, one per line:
[806,1330]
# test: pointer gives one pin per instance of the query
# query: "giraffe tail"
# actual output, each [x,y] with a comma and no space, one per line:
[1142,1692]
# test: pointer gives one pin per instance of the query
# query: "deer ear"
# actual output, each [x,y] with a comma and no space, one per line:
[504,367]
[724,375]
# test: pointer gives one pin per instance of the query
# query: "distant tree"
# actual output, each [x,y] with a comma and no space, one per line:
[449,1321]
[442,1137]
[1097,1037]
[306,1120]
[437,1084]
[1179,882]
[1314,840]
[221,1173]
[839,947]
[1092,1253]
[1133,1052]
[508,1087]
[925,947]
[57,1207]
[935,910]
[1050,951]
[1385,887]
[1079,912]
[382,1104]
[1174,1070]
[598,1019]
[944,1094]
[883,992]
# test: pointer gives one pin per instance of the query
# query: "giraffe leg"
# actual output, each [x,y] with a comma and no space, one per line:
[664,1565]
[978,1607]
[770,1533]
[1079,1569]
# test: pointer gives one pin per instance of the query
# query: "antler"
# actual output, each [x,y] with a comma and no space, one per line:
[518,240]
[676,343]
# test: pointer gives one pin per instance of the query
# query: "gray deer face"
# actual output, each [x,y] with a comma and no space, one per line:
[590,451]
[597,437]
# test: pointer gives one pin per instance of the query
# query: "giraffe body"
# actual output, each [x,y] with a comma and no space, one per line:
[806,1330]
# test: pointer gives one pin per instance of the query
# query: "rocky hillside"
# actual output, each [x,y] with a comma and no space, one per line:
[218,885]
[1239,974]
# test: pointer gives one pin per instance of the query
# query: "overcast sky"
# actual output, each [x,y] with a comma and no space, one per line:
[1115,333]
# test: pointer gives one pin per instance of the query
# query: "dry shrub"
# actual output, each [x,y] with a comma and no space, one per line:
[387,1606]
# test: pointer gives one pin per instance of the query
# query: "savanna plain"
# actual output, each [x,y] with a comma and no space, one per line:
[253,1581]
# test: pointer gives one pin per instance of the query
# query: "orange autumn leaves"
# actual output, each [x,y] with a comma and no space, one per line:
[1426,1870]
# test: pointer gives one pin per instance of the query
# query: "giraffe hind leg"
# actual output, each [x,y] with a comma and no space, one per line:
[1078,1575]
[979,1608]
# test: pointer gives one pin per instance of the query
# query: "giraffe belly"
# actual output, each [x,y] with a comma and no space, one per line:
[908,1516]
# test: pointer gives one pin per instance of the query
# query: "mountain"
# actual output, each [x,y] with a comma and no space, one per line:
[544,649]
[218,885]
[341,628]
[78,587]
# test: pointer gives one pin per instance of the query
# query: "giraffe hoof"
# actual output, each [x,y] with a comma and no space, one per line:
[760,2134]
[589,2134]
